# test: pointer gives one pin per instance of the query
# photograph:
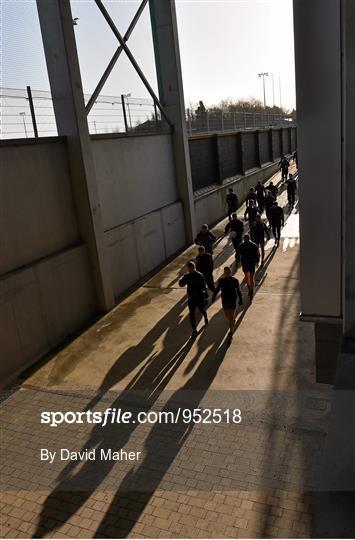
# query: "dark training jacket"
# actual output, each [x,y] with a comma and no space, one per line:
[196,285]
[258,232]
[232,201]
[230,289]
[276,215]
[248,252]
[235,225]
[204,263]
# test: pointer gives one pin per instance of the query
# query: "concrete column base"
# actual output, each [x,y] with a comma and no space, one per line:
[328,338]
[335,503]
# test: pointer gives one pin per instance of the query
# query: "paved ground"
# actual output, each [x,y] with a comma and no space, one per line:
[251,479]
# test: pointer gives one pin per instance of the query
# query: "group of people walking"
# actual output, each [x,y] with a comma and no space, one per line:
[249,249]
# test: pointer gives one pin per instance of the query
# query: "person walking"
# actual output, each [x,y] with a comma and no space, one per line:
[295,158]
[235,229]
[277,221]
[251,212]
[269,200]
[249,256]
[252,196]
[196,294]
[230,293]
[206,238]
[274,190]
[204,265]
[284,165]
[232,203]
[260,194]
[258,233]
[291,191]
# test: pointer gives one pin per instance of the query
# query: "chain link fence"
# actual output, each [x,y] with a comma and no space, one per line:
[109,114]
[29,113]
[219,121]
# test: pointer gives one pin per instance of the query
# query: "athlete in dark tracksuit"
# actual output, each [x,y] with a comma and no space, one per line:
[232,203]
[258,232]
[206,238]
[260,193]
[269,200]
[196,294]
[249,255]
[251,212]
[273,189]
[291,191]
[277,221]
[235,228]
[204,265]
[230,292]
[284,165]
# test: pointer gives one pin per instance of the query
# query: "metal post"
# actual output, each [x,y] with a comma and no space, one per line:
[207,122]
[23,114]
[33,116]
[129,114]
[222,122]
[189,121]
[155,116]
[124,113]
[245,120]
[235,125]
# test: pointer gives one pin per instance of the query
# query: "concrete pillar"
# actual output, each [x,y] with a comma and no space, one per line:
[68,101]
[167,60]
[218,142]
[348,25]
[257,145]
[271,146]
[241,150]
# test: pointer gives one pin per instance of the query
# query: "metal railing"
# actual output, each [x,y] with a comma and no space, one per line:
[220,121]
[29,113]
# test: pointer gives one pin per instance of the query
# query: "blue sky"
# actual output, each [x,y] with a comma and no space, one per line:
[223,45]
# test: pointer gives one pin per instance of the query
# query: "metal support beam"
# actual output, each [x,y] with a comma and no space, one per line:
[56,24]
[114,59]
[167,60]
[132,59]
[32,109]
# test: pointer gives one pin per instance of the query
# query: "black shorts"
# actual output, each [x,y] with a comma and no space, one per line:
[248,267]
[229,304]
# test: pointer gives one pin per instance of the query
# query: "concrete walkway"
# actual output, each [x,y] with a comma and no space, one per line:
[252,479]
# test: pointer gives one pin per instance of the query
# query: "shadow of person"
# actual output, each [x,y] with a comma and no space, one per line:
[157,369]
[144,352]
[164,441]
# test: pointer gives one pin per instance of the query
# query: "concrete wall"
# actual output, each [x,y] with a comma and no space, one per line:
[238,160]
[135,176]
[143,220]
[46,283]
[217,157]
[41,305]
[137,247]
[36,207]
